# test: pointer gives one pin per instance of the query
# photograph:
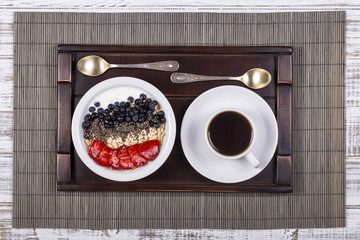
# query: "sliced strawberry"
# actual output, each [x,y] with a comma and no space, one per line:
[123,151]
[149,149]
[133,149]
[138,160]
[126,163]
[103,158]
[114,159]
[95,148]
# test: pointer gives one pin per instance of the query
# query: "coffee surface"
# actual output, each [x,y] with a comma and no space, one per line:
[230,133]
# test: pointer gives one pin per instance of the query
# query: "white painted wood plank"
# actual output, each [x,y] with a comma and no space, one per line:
[6,123]
[352,182]
[10,4]
[6,93]
[6,178]
[352,94]
[352,231]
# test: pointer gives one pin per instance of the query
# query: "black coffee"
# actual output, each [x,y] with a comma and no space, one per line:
[230,133]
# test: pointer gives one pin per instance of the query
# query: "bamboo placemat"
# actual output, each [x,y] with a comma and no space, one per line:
[318,199]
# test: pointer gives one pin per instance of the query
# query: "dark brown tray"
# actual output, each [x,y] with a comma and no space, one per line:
[176,174]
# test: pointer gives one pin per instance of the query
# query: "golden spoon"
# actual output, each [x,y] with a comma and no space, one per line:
[254,78]
[94,65]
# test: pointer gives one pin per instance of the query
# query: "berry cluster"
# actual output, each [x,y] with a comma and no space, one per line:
[140,110]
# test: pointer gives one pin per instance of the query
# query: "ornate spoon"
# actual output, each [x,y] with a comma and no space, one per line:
[94,65]
[254,78]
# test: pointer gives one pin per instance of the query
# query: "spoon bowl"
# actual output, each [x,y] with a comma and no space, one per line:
[254,78]
[93,65]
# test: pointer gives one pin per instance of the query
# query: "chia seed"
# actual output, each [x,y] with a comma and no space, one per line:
[97,130]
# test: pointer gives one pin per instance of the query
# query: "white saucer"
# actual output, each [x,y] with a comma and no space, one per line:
[193,142]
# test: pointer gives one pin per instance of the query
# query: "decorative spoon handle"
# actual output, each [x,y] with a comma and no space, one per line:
[187,77]
[161,66]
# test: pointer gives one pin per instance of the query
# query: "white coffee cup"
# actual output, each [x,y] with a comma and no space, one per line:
[244,154]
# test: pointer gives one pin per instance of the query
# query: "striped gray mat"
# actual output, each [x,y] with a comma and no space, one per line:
[318,199]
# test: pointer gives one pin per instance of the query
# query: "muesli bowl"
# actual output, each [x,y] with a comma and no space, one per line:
[118,89]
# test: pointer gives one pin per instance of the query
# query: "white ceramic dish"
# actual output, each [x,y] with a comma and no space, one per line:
[119,89]
[205,161]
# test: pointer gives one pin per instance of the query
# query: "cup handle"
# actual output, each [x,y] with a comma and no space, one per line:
[253,160]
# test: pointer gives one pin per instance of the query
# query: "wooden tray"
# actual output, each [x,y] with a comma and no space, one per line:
[176,174]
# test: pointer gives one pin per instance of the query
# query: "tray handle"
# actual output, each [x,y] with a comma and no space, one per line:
[284,113]
[284,170]
[64,121]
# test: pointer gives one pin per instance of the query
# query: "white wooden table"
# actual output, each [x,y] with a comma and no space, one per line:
[352,8]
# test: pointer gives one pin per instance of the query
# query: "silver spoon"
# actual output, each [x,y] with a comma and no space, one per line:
[94,65]
[254,78]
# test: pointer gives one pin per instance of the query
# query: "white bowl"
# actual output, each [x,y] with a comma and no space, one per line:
[119,89]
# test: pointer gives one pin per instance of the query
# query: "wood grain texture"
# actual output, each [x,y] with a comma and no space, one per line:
[352,7]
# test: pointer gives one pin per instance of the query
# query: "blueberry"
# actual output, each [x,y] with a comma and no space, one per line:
[107,125]
[116,123]
[149,113]
[107,111]
[94,116]
[152,105]
[128,119]
[113,118]
[161,113]
[148,100]
[162,120]
[120,118]
[136,110]
[97,104]
[137,101]
[155,121]
[92,109]
[85,124]
[116,109]
[127,104]
[100,110]
[131,99]
[122,109]
[127,109]
[135,118]
[131,113]
[107,118]
[141,120]
[101,116]
[143,96]
[116,104]
[122,104]
[111,106]
[157,125]
[87,117]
